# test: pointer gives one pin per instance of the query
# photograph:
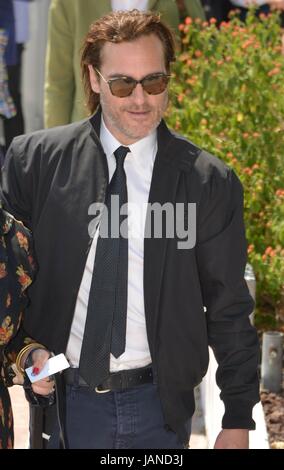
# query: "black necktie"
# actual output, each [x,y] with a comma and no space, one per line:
[105,327]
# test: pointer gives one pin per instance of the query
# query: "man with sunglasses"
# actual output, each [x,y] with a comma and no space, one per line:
[127,308]
[68,23]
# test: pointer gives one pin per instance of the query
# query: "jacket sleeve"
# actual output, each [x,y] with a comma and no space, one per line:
[221,255]
[59,80]
[18,181]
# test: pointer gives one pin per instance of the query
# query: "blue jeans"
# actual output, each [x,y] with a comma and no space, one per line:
[129,419]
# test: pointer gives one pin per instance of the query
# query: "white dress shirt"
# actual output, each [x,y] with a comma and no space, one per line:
[138,167]
[129,4]
[21,13]
[247,3]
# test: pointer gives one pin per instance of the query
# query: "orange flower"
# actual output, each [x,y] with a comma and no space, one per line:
[191,81]
[247,43]
[198,53]
[274,71]
[250,248]
[3,272]
[6,330]
[188,20]
[23,241]
[24,279]
[247,171]
[268,250]
[212,21]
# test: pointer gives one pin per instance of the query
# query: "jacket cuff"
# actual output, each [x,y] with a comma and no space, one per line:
[238,415]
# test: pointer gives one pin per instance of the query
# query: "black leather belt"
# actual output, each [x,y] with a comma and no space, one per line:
[116,381]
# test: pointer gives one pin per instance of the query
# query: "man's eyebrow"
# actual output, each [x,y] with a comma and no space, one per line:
[118,75]
[123,75]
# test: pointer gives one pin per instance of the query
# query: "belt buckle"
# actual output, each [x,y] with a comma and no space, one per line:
[102,391]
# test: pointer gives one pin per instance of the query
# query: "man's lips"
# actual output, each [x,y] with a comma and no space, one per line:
[138,113]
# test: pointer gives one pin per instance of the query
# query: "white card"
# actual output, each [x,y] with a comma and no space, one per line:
[53,365]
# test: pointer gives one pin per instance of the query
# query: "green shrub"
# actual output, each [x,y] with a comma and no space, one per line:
[227,96]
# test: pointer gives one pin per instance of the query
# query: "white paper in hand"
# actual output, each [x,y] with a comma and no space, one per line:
[53,365]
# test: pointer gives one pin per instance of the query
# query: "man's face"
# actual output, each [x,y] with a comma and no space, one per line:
[131,118]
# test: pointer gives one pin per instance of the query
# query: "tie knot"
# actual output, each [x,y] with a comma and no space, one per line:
[120,155]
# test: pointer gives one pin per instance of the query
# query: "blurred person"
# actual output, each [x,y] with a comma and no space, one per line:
[15,19]
[17,270]
[7,22]
[7,107]
[277,4]
[8,56]
[69,22]
[128,312]
[17,349]
[217,9]
[264,6]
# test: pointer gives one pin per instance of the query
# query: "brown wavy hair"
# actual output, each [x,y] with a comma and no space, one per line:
[118,27]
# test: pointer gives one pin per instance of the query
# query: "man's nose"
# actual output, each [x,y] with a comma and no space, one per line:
[138,94]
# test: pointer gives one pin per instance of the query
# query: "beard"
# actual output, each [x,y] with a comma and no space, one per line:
[127,128]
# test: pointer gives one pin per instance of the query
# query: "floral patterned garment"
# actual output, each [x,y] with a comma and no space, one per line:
[16,273]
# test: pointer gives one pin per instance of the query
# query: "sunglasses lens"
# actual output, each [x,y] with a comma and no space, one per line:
[122,87]
[155,84]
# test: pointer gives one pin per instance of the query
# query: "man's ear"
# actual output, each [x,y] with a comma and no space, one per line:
[94,79]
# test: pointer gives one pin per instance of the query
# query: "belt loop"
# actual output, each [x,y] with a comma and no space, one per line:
[76,377]
[155,376]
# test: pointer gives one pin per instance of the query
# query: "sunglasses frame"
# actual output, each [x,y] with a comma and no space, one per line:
[135,82]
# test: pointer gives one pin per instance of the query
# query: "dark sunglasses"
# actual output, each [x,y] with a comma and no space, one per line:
[121,87]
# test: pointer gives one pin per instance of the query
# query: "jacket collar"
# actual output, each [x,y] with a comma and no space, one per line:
[173,150]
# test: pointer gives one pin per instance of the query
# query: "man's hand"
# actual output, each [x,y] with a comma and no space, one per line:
[44,386]
[232,439]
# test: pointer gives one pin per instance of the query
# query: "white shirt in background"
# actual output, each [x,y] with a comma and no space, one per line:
[21,13]
[248,3]
[129,5]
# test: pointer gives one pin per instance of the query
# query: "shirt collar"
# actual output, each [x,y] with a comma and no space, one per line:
[143,148]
